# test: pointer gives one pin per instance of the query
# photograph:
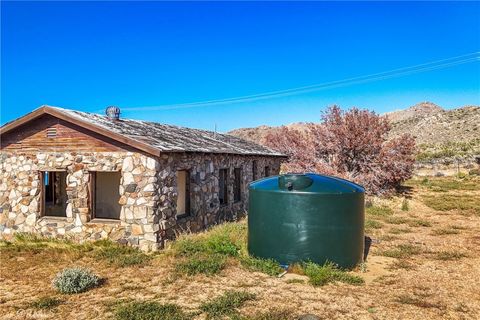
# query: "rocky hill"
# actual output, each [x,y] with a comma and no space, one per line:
[438,132]
[431,124]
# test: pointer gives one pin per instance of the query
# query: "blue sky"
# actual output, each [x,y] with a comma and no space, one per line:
[88,55]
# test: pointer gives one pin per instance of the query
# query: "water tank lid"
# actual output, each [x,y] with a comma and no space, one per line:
[308,183]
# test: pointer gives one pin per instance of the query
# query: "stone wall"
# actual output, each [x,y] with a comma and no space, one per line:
[147,194]
[20,196]
[205,208]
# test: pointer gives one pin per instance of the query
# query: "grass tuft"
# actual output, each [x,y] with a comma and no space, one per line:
[447,202]
[415,301]
[145,310]
[46,303]
[419,223]
[275,314]
[396,220]
[268,266]
[320,275]
[208,252]
[119,255]
[445,231]
[402,251]
[449,255]
[226,305]
[381,211]
[372,224]
[295,280]
[200,263]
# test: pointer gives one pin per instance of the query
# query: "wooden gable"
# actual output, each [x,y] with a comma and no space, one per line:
[48,133]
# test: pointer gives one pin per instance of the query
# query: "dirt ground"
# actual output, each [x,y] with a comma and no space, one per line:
[423,264]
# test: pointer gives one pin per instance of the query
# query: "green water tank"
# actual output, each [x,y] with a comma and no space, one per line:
[306,217]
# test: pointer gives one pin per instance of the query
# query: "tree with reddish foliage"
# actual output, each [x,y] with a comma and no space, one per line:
[350,144]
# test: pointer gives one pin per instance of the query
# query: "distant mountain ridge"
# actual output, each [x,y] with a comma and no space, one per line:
[432,126]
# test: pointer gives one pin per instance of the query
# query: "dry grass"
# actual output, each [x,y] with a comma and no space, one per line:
[430,271]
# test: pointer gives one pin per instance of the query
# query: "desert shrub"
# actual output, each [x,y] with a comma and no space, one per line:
[46,303]
[320,275]
[350,144]
[149,311]
[75,280]
[226,304]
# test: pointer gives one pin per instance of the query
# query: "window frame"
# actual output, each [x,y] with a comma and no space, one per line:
[237,184]
[92,190]
[225,186]
[254,170]
[43,193]
[267,171]
[187,212]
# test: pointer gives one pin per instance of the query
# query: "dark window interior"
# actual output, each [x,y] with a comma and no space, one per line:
[183,189]
[223,186]
[254,170]
[237,186]
[54,193]
[267,171]
[104,195]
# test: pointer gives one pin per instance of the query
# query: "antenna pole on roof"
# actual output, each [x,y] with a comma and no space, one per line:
[215,131]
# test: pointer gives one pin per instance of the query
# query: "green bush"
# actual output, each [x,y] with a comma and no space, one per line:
[149,311]
[75,280]
[226,304]
[321,275]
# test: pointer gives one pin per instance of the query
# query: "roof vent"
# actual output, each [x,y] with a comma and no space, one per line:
[113,112]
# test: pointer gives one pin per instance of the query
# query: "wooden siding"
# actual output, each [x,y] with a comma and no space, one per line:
[32,136]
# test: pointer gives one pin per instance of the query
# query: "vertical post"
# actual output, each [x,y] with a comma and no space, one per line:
[91,194]
[41,176]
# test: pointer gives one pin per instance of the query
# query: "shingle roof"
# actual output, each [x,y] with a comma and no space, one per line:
[162,137]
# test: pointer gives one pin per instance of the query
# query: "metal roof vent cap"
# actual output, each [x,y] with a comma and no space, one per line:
[113,112]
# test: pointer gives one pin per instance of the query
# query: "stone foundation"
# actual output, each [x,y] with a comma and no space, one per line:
[147,194]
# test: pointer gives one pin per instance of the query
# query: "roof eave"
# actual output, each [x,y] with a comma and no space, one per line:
[76,121]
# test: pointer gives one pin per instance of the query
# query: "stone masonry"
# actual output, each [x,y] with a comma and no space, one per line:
[147,194]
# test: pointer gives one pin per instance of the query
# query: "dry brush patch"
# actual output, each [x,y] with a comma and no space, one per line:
[428,273]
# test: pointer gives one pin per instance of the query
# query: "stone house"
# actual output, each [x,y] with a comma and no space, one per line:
[84,176]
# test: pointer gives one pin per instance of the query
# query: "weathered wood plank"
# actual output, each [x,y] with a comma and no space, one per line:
[32,137]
